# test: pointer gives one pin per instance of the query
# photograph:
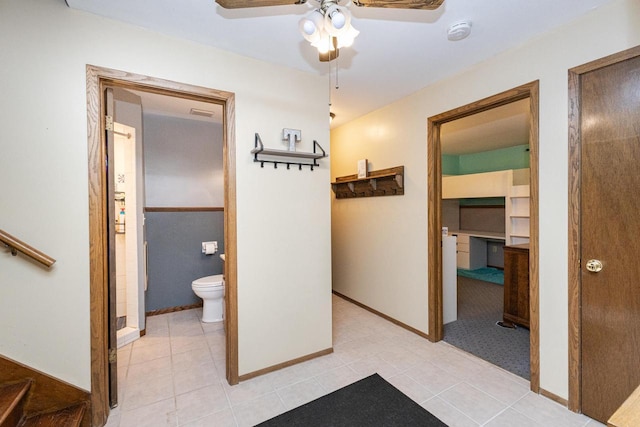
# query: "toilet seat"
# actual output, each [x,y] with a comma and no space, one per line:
[214,281]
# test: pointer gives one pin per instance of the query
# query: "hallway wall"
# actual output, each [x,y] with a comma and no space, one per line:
[394,282]
[283,223]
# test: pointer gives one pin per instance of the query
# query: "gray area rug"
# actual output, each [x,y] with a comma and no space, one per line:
[476,332]
[369,402]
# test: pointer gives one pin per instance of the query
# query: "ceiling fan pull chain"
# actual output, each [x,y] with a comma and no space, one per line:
[337,84]
[330,94]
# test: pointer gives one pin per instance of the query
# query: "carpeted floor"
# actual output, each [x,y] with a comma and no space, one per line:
[369,402]
[475,331]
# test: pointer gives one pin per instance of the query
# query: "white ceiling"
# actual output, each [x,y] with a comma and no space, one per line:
[163,105]
[500,127]
[397,52]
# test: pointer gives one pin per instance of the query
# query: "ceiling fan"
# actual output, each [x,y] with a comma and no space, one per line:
[328,27]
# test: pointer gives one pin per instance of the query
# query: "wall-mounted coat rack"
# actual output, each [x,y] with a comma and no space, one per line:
[383,182]
[259,154]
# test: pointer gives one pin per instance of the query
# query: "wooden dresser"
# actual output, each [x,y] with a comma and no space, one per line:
[516,285]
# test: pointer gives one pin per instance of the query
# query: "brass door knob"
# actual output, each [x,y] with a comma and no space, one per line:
[594,265]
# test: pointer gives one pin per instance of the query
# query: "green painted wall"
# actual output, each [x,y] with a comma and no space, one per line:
[450,164]
[506,158]
[487,161]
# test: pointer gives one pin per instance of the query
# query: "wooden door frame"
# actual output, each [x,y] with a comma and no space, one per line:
[434,184]
[575,233]
[97,79]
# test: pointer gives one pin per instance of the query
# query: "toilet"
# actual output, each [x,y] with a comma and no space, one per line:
[211,290]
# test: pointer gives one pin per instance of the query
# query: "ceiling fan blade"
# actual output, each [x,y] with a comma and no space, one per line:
[400,4]
[240,4]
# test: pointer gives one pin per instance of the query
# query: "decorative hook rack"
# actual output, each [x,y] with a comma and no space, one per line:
[259,151]
[384,182]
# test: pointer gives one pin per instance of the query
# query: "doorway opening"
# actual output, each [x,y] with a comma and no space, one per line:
[485,210]
[103,359]
[513,230]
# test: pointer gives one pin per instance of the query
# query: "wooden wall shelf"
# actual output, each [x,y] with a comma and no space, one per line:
[259,151]
[384,182]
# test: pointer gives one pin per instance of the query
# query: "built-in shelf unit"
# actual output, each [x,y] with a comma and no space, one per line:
[497,184]
[383,182]
[517,214]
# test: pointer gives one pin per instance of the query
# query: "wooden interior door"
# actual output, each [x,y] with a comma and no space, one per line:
[111,221]
[610,230]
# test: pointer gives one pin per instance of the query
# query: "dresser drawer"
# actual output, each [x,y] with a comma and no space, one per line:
[462,260]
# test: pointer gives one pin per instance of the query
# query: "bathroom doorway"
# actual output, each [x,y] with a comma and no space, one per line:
[103,356]
[168,189]
[435,188]
[184,197]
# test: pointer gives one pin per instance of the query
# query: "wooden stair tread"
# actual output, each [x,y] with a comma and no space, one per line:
[12,397]
[71,416]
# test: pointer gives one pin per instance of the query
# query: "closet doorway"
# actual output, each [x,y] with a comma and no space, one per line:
[604,301]
[512,230]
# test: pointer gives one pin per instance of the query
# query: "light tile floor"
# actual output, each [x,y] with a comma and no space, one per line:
[174,376]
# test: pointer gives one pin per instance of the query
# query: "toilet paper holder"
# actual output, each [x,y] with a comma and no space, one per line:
[209,248]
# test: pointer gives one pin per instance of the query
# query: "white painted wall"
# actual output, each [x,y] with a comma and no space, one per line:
[380,244]
[283,216]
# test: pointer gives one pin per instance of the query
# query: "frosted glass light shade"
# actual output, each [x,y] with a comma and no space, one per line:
[347,39]
[328,28]
[337,20]
[324,44]
[311,26]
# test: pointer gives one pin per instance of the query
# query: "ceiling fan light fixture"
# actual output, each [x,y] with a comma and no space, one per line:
[328,28]
[311,26]
[337,20]
[308,28]
[347,39]
[324,43]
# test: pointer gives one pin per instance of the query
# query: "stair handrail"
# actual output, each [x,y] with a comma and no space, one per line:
[17,245]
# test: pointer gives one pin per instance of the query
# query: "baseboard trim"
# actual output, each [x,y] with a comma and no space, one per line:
[554,397]
[384,316]
[285,364]
[143,332]
[173,309]
[47,393]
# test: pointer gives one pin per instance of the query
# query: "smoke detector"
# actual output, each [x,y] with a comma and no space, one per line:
[459,30]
